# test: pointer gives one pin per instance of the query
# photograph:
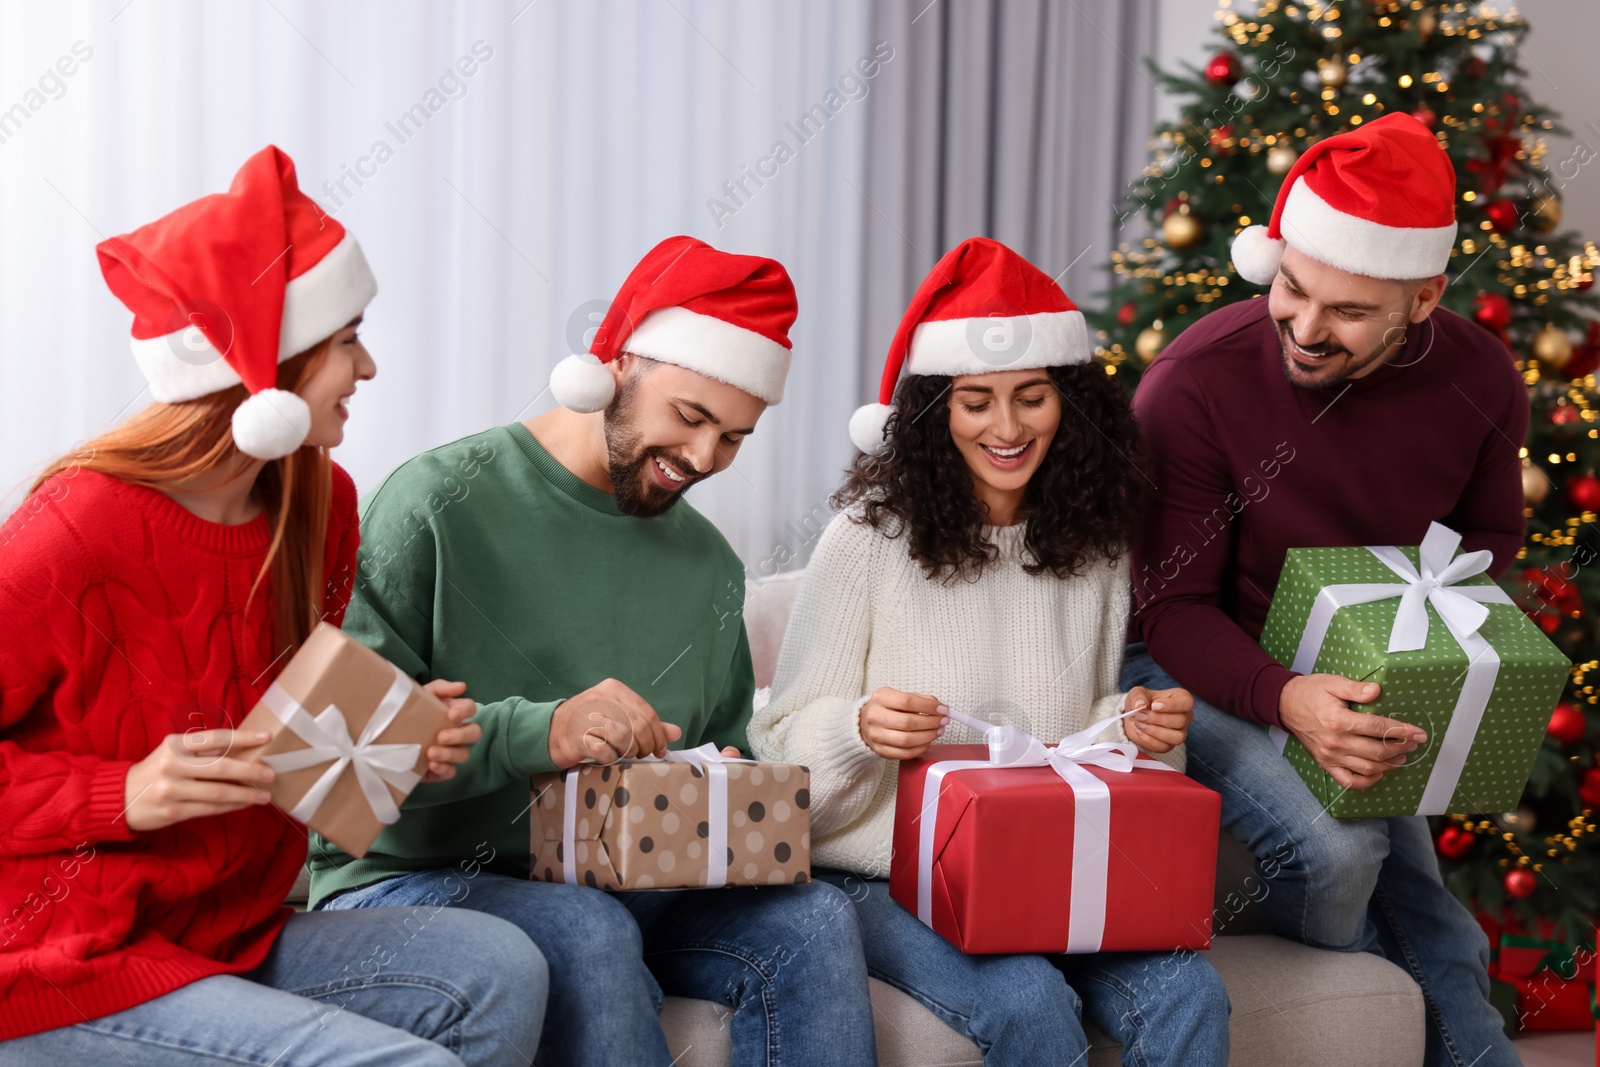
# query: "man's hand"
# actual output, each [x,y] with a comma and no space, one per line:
[1355,747]
[453,744]
[606,723]
[1162,720]
[899,725]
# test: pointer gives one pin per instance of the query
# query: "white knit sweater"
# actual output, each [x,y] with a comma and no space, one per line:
[1037,652]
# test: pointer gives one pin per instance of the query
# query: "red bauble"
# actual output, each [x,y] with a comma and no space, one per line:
[1583,492]
[1589,789]
[1425,115]
[1521,882]
[1563,415]
[1548,623]
[1473,67]
[1220,135]
[1492,310]
[1566,724]
[1502,215]
[1455,843]
[1223,69]
[1172,205]
[1587,282]
[1126,314]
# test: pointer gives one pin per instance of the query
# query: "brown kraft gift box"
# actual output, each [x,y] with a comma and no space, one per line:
[648,824]
[335,673]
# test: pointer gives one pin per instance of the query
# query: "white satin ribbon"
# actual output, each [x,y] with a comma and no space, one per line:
[709,757]
[1463,611]
[1091,802]
[328,735]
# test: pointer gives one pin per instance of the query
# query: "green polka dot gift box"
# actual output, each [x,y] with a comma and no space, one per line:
[1452,654]
[693,820]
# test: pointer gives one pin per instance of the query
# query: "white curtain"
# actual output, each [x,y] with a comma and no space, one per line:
[509,201]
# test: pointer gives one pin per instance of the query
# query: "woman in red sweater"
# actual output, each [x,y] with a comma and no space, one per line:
[151,586]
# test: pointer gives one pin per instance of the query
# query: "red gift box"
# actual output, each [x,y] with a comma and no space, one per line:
[1007,841]
[1546,1001]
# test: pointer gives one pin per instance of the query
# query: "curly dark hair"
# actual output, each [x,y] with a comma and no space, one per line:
[1080,504]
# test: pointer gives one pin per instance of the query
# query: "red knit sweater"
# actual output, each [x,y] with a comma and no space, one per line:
[123,620]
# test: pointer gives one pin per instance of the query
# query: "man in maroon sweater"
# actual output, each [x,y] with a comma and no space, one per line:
[1346,408]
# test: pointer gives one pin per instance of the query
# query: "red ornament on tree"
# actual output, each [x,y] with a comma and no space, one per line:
[1455,843]
[1492,310]
[1126,314]
[1565,415]
[1220,136]
[1566,724]
[1425,115]
[1473,68]
[1223,69]
[1583,492]
[1589,790]
[1520,882]
[1502,215]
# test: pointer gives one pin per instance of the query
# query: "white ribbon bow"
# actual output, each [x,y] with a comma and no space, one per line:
[1091,834]
[1463,611]
[328,737]
[708,756]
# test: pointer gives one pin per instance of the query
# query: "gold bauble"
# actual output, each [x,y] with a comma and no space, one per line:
[1151,340]
[1181,230]
[1280,159]
[1535,485]
[1546,213]
[1553,347]
[1332,72]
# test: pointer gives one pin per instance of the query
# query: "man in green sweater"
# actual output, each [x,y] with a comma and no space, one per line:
[552,567]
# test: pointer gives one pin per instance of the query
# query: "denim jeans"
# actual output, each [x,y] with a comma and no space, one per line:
[784,961]
[1352,885]
[385,988]
[1027,1011]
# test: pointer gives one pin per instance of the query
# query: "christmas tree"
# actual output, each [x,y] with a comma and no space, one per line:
[1288,75]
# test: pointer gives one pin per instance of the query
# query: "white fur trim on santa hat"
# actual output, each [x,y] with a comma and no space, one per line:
[1314,227]
[715,348]
[324,299]
[986,345]
[582,383]
[1255,255]
[271,424]
[867,428]
[183,365]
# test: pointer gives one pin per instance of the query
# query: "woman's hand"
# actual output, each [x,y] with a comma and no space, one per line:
[902,726]
[194,774]
[1163,718]
[453,744]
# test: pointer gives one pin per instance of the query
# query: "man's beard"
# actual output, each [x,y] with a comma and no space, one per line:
[634,487]
[1351,365]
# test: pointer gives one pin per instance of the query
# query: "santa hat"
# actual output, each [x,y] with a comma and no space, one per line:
[225,288]
[982,308]
[1378,200]
[721,315]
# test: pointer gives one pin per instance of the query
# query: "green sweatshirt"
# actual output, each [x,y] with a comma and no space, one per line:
[485,561]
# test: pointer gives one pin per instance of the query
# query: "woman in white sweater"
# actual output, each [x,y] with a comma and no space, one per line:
[978,564]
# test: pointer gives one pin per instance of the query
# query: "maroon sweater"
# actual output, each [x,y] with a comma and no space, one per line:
[1248,466]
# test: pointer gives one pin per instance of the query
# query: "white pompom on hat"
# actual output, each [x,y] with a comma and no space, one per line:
[722,315]
[1378,200]
[224,289]
[983,308]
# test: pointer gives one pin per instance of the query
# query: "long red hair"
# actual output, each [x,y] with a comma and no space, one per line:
[167,444]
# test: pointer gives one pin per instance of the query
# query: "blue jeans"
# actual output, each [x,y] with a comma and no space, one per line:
[1351,885]
[385,988]
[785,961]
[1026,1011]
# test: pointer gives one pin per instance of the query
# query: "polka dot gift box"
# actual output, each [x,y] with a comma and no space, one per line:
[1452,654]
[692,820]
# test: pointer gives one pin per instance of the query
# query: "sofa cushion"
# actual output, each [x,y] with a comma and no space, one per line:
[1291,1004]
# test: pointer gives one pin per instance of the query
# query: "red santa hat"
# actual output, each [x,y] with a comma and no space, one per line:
[982,308]
[1378,200]
[224,289]
[721,315]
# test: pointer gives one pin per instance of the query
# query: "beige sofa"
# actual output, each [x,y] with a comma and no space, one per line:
[1291,1004]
